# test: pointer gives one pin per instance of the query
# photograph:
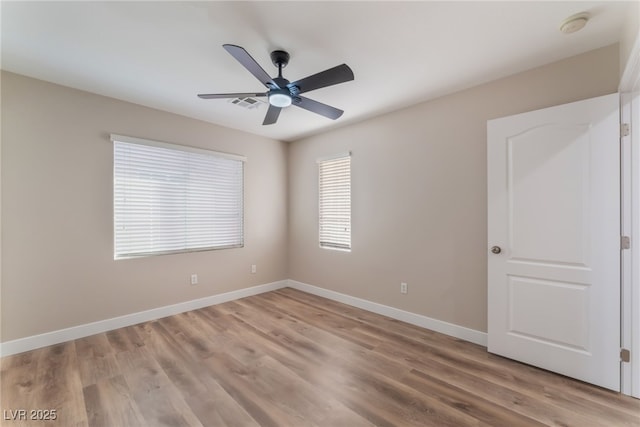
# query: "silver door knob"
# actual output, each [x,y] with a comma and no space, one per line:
[496,249]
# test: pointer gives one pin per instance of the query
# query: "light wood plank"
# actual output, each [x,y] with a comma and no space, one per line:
[109,403]
[287,358]
[46,379]
[96,358]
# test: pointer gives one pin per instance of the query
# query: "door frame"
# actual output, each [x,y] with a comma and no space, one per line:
[629,89]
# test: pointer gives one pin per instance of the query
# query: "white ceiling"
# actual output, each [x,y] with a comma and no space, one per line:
[161,54]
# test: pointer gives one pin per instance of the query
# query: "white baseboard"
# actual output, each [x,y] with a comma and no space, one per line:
[446,328]
[50,338]
[55,337]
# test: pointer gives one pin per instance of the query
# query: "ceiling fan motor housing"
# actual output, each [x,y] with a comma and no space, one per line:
[282,95]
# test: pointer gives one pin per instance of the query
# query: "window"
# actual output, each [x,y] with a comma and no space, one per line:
[170,198]
[335,202]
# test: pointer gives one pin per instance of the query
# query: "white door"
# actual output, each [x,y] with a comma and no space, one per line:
[554,219]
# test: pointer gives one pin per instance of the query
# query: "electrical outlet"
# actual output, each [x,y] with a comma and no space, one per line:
[253,269]
[194,279]
[403,288]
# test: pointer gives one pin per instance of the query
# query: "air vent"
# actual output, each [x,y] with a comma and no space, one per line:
[248,103]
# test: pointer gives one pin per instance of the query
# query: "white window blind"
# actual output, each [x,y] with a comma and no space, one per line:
[169,198]
[335,202]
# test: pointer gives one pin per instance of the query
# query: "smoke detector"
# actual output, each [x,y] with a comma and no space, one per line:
[574,23]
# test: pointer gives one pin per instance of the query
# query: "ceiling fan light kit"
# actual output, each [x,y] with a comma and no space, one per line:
[279,98]
[282,93]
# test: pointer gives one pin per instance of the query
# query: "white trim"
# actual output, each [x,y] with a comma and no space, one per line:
[446,328]
[630,298]
[172,146]
[630,80]
[626,263]
[634,295]
[634,315]
[55,337]
[630,287]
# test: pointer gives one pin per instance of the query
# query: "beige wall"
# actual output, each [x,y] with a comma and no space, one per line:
[629,34]
[57,251]
[419,192]
[419,202]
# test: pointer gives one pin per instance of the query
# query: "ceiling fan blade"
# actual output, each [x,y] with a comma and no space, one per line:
[317,107]
[243,57]
[272,115]
[332,76]
[230,95]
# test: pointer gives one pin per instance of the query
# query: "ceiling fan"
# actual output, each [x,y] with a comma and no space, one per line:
[283,93]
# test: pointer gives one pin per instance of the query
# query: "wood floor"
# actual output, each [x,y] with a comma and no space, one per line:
[287,358]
